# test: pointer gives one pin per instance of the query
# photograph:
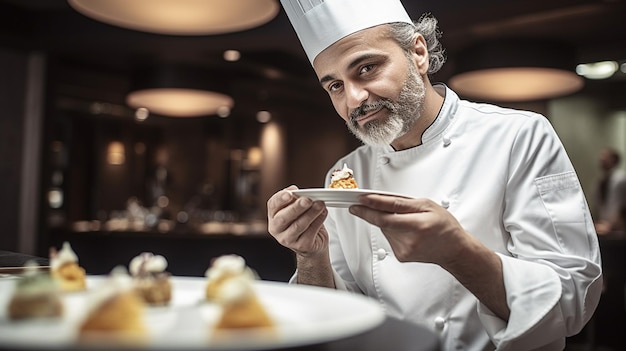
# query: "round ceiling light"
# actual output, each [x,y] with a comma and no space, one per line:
[180,17]
[179,102]
[516,84]
[179,91]
[516,71]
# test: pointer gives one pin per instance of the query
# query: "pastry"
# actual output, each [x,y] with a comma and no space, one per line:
[36,295]
[65,269]
[229,284]
[151,280]
[343,179]
[114,306]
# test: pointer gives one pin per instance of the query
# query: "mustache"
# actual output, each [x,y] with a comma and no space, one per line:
[364,109]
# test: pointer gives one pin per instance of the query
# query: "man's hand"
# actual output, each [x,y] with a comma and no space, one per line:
[422,231]
[418,230]
[297,222]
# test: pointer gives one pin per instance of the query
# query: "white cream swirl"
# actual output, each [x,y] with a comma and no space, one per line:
[117,282]
[233,276]
[64,256]
[229,266]
[147,263]
[234,289]
[344,173]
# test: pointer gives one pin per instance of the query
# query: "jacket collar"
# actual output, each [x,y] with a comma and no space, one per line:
[446,114]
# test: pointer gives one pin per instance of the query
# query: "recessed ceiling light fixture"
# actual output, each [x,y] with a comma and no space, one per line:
[178,91]
[180,17]
[516,71]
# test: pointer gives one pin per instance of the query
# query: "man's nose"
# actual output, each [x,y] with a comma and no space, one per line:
[356,94]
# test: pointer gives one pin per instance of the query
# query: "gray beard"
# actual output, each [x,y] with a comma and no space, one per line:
[403,113]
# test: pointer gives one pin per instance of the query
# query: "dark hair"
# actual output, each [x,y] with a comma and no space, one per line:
[427,26]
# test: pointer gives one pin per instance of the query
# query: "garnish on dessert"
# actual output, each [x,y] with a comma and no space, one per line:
[343,179]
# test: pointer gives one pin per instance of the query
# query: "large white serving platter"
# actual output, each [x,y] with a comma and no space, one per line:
[303,315]
[339,197]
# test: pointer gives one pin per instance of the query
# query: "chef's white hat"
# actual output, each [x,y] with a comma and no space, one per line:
[320,23]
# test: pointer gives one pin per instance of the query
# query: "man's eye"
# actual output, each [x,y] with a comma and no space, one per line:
[334,87]
[366,69]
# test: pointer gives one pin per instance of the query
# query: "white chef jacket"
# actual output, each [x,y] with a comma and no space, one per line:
[507,179]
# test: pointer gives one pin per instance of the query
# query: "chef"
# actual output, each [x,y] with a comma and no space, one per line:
[494,248]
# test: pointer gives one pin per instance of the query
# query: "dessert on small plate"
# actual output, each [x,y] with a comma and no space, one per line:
[36,295]
[65,269]
[343,190]
[114,311]
[230,285]
[151,280]
[343,179]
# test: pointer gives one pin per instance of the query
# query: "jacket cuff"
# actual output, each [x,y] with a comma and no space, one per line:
[339,283]
[532,292]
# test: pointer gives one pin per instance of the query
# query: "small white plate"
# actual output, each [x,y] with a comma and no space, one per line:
[339,197]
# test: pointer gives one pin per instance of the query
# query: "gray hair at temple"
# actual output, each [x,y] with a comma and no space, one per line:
[427,26]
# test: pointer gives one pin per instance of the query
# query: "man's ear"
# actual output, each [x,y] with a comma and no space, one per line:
[420,54]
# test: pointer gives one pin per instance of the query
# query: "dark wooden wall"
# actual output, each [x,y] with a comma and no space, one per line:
[13,65]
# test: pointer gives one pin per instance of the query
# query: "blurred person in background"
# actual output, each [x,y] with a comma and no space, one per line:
[610,193]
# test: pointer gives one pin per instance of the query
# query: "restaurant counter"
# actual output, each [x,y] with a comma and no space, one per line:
[187,254]
[9,259]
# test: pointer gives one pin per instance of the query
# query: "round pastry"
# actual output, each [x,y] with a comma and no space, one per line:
[65,269]
[343,179]
[114,306]
[36,295]
[229,284]
[152,283]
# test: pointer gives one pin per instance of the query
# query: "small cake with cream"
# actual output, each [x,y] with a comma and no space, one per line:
[151,280]
[230,284]
[36,295]
[65,269]
[114,307]
[343,179]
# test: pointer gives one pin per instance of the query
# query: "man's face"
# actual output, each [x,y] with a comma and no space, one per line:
[403,113]
[607,160]
[373,85]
